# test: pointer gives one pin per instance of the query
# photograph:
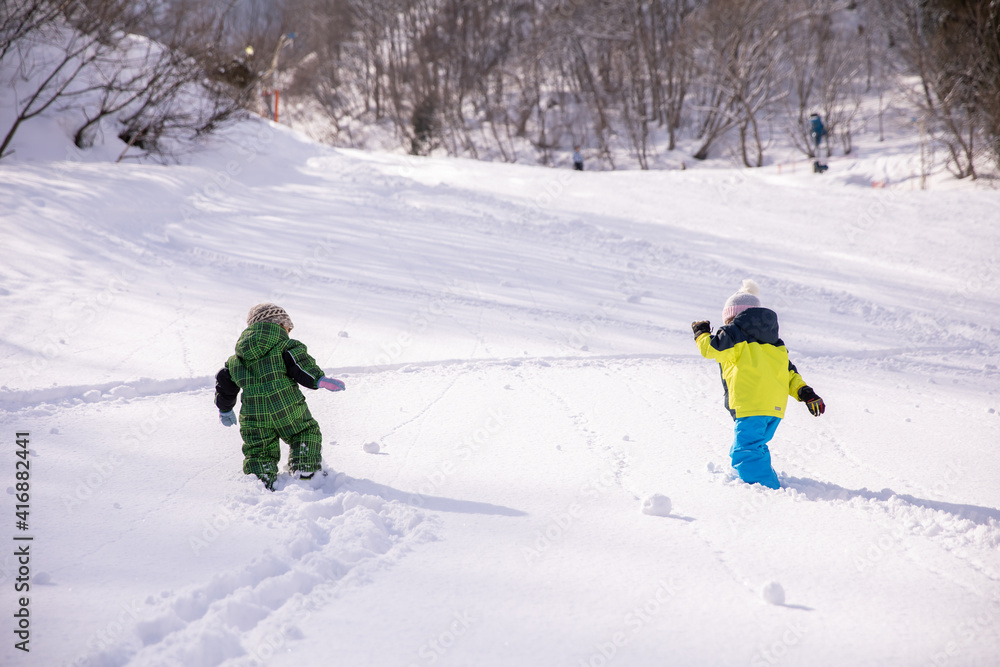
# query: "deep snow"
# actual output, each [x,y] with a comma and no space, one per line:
[516,340]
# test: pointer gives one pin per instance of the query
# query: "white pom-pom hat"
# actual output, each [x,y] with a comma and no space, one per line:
[747,296]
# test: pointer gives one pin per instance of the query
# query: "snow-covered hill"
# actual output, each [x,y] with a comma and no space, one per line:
[517,341]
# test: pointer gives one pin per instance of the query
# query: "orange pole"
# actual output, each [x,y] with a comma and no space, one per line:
[277,93]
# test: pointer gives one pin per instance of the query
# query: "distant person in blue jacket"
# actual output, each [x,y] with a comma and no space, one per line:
[757,378]
[577,159]
[818,131]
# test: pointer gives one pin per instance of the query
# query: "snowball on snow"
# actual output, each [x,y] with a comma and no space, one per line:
[657,505]
[372,447]
[773,593]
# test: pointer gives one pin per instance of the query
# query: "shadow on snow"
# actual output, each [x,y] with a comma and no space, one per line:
[816,490]
[423,501]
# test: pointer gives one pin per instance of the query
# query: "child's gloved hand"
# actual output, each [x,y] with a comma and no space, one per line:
[330,384]
[813,402]
[228,418]
[698,328]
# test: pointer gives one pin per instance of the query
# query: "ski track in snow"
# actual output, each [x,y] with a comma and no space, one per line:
[953,528]
[335,537]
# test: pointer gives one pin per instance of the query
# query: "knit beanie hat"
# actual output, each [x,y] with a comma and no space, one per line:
[745,297]
[268,312]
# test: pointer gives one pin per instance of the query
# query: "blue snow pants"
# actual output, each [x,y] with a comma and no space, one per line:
[750,455]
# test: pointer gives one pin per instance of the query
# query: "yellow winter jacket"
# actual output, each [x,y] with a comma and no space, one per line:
[757,376]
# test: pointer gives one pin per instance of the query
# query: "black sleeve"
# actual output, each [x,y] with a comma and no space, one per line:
[296,372]
[226,391]
[726,338]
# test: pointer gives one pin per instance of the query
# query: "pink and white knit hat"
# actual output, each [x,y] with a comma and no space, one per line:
[746,297]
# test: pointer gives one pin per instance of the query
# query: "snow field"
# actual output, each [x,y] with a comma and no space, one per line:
[517,343]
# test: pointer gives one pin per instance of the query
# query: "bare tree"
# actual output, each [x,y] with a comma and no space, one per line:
[53,49]
[806,41]
[121,78]
[663,33]
[633,98]
[941,42]
[460,76]
[96,58]
[840,71]
[20,18]
[740,52]
[985,71]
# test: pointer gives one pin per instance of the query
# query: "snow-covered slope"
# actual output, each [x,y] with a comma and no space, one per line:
[517,341]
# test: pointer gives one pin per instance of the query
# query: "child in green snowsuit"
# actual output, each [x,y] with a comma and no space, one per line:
[268,366]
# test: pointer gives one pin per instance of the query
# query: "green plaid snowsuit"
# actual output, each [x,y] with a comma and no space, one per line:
[267,365]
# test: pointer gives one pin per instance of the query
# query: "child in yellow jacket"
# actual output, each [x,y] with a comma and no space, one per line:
[757,378]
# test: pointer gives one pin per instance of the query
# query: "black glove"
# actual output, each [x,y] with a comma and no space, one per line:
[698,328]
[813,402]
